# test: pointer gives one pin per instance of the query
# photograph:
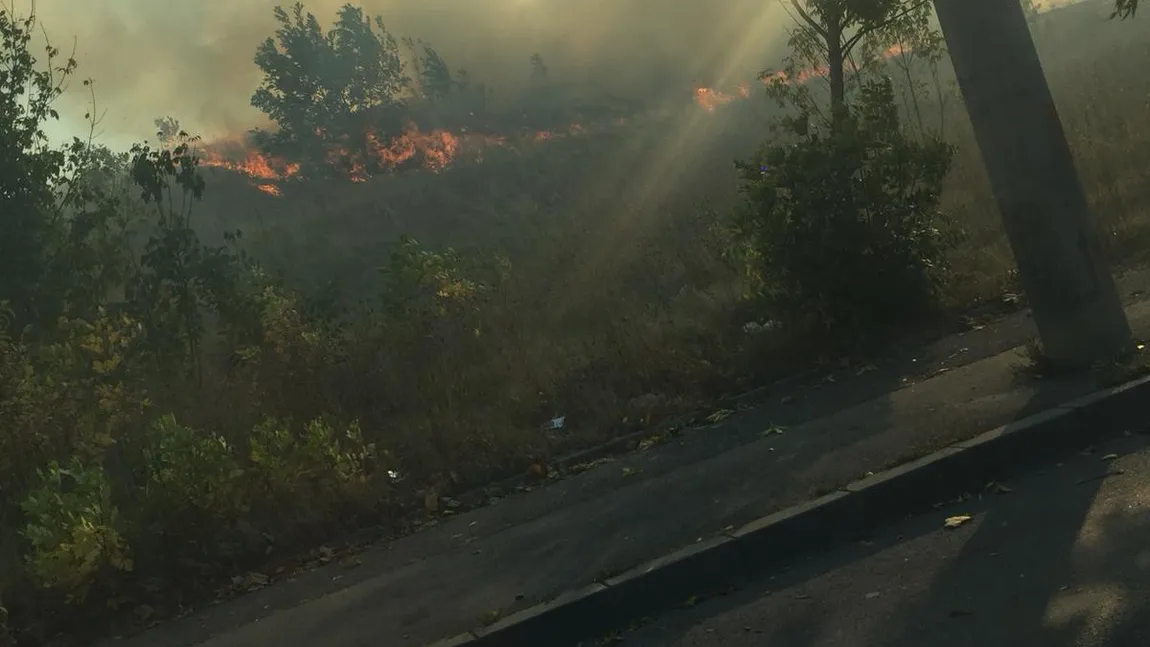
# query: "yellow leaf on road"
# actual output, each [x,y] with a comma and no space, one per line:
[957,520]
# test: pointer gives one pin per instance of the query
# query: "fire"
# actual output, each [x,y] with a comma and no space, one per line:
[433,150]
[437,148]
[573,130]
[234,156]
[709,98]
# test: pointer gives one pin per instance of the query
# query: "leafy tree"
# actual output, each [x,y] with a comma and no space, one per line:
[840,224]
[62,235]
[431,72]
[177,276]
[913,48]
[827,36]
[334,88]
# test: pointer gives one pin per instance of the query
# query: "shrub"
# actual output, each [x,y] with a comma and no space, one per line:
[190,493]
[71,528]
[313,470]
[841,226]
[73,396]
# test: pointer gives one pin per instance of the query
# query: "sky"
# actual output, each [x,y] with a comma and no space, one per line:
[192,59]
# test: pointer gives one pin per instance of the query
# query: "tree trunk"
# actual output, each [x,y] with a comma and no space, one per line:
[836,74]
[1073,297]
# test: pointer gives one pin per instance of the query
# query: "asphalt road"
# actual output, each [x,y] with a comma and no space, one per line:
[1061,559]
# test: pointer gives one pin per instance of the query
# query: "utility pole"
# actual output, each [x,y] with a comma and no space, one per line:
[1055,240]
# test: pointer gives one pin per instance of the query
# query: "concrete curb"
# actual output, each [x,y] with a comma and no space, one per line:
[851,513]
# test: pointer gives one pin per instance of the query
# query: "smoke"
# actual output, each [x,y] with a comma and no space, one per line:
[192,59]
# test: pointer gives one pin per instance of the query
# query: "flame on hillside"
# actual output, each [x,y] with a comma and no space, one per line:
[709,98]
[433,150]
[438,149]
[265,171]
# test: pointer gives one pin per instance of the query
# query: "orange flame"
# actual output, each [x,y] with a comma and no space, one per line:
[250,163]
[709,98]
[432,150]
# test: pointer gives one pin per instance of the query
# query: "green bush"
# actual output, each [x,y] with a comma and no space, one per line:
[309,471]
[74,395]
[841,227]
[189,495]
[72,529]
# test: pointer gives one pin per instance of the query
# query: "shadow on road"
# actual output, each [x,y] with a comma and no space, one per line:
[1059,558]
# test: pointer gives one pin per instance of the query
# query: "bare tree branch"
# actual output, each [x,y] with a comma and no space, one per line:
[810,20]
[870,29]
[1124,9]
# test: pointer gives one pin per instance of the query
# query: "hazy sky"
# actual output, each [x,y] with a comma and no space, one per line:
[192,59]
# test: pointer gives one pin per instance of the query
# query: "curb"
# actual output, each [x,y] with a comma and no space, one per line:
[850,513]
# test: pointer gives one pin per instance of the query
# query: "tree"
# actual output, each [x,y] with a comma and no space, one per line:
[334,88]
[431,71]
[827,34]
[28,165]
[62,236]
[913,49]
[841,226]
[1074,300]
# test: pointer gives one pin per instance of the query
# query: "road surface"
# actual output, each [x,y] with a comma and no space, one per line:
[1062,559]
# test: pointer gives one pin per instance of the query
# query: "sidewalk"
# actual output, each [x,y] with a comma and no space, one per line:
[532,546]
[1060,561]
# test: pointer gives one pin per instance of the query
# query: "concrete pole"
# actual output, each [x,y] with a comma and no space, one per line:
[1055,240]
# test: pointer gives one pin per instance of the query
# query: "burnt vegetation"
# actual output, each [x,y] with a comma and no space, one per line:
[199,379]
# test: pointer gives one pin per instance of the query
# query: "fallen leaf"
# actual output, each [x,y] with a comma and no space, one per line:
[999,488]
[719,416]
[1109,457]
[773,429]
[957,520]
[691,601]
[630,471]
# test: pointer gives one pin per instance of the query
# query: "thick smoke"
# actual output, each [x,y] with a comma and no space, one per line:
[192,59]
